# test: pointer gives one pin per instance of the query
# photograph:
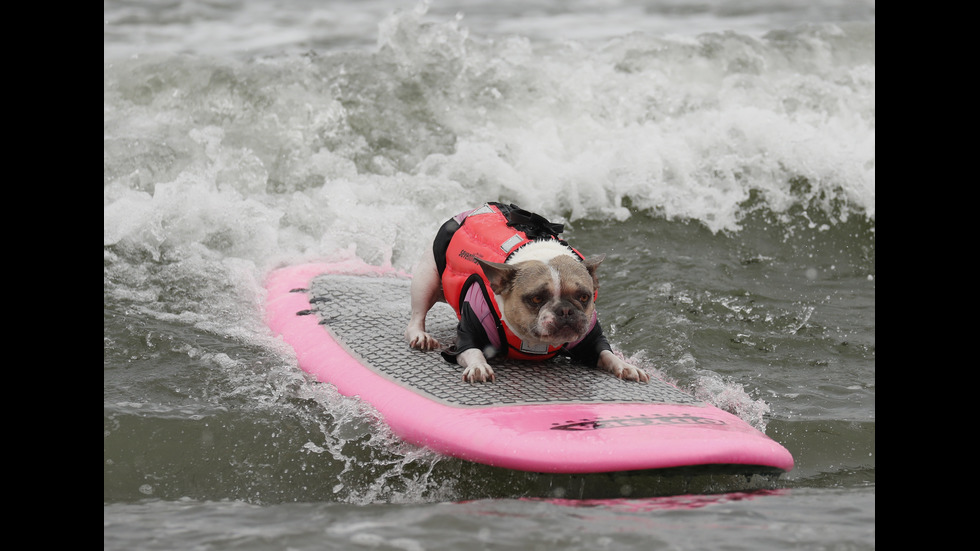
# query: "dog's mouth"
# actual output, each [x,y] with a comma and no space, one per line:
[561,331]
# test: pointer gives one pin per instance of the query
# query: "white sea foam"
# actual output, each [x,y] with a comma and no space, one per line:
[219,167]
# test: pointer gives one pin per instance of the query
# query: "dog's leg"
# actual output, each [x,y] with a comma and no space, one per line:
[426,290]
[611,363]
[475,366]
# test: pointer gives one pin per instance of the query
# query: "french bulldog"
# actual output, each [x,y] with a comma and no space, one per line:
[540,301]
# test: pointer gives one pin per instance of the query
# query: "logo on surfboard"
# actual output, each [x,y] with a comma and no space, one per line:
[634,421]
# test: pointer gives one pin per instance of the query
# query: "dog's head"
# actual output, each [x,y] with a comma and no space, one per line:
[546,302]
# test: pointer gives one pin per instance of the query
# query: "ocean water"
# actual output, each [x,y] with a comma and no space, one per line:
[720,152]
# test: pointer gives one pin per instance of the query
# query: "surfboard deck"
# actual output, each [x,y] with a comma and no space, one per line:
[346,323]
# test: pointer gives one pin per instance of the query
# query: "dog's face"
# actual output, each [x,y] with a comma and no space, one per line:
[546,302]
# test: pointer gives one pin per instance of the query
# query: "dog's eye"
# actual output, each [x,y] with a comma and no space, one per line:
[535,300]
[584,298]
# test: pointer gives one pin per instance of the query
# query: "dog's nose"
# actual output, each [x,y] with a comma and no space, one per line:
[565,310]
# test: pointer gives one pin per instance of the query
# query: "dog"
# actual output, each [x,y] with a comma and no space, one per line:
[517,289]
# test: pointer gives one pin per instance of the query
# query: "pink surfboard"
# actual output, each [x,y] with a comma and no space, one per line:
[346,323]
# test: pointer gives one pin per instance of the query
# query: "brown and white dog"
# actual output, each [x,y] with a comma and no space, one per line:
[541,298]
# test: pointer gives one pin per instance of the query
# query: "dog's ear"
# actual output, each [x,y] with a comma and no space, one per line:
[592,265]
[501,276]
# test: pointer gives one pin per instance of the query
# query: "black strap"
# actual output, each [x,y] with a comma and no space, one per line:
[533,225]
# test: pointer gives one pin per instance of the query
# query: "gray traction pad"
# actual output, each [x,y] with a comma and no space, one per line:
[368,316]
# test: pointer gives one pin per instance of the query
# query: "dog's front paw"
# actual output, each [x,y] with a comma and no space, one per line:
[480,373]
[475,366]
[420,340]
[633,373]
[613,364]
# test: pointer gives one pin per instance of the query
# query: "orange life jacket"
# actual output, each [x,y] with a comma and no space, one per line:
[493,233]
